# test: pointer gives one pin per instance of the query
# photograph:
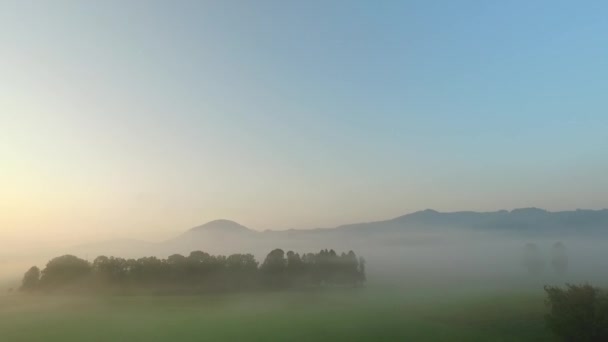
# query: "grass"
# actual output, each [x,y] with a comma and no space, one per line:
[370,314]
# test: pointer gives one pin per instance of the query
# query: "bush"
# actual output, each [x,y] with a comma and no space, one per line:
[578,312]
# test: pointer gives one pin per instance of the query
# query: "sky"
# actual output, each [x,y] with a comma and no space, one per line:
[141,119]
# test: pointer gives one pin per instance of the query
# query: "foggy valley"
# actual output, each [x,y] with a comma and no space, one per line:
[196,170]
[486,247]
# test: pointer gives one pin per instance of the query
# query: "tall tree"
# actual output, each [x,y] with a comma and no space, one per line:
[295,269]
[275,262]
[64,270]
[31,278]
[361,273]
[273,268]
[110,269]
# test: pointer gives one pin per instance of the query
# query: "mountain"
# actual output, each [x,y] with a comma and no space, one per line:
[427,227]
[533,221]
[220,226]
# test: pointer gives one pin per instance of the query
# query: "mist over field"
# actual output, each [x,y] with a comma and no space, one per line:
[426,248]
[303,171]
[430,276]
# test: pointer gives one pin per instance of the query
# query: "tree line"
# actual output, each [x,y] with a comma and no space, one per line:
[198,272]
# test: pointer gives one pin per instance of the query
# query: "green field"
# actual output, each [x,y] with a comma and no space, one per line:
[330,315]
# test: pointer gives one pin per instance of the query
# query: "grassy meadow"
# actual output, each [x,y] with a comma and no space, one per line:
[366,314]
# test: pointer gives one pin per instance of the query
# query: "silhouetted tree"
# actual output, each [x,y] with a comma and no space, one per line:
[275,262]
[31,278]
[295,269]
[361,273]
[239,263]
[148,270]
[533,260]
[578,313]
[200,264]
[64,270]
[351,268]
[559,258]
[273,268]
[111,269]
[177,268]
[241,271]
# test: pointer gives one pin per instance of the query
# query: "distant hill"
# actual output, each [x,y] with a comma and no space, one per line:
[220,226]
[418,228]
[524,220]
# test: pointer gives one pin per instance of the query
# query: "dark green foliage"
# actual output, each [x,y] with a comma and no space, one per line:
[31,278]
[275,262]
[64,270]
[110,269]
[578,313]
[198,272]
[273,270]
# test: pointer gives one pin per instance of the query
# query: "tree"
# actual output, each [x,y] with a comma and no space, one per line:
[295,269]
[275,262]
[150,269]
[578,313]
[199,264]
[238,263]
[240,271]
[533,260]
[31,278]
[273,269]
[64,270]
[362,276]
[294,264]
[176,260]
[111,269]
[559,258]
[177,267]
[352,268]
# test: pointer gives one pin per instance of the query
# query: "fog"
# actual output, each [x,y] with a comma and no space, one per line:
[403,252]
[427,275]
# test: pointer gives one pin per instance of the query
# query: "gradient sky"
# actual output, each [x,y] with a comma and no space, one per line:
[141,119]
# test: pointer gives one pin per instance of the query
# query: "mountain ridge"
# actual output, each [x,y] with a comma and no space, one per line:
[220,225]
[434,217]
[426,226]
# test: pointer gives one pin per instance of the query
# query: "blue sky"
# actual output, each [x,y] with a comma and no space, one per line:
[131,115]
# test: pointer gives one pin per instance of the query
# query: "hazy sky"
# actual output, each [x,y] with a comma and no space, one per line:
[141,119]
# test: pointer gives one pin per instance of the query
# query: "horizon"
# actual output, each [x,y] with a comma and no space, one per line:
[176,232]
[402,215]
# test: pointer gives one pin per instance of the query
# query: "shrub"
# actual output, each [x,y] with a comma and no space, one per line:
[578,312]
